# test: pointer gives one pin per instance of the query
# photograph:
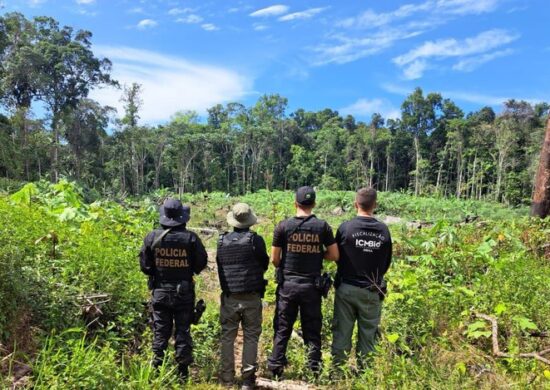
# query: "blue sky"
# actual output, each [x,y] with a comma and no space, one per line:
[357,57]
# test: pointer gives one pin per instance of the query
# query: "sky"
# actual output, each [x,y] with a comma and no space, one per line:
[357,57]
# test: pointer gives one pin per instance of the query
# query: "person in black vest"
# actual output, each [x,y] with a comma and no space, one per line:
[365,256]
[170,256]
[242,261]
[299,246]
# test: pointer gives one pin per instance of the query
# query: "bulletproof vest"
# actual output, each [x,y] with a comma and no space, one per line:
[238,269]
[304,252]
[172,256]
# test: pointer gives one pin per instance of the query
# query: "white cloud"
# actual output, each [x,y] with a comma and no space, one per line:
[371,19]
[259,27]
[209,27]
[179,11]
[365,108]
[273,10]
[471,63]
[147,23]
[308,13]
[85,2]
[136,10]
[465,7]
[190,19]
[415,69]
[415,61]
[439,8]
[170,83]
[347,49]
[36,3]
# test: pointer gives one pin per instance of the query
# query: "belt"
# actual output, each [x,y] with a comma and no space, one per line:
[170,285]
[370,287]
[300,279]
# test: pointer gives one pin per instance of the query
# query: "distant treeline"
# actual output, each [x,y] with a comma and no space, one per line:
[432,148]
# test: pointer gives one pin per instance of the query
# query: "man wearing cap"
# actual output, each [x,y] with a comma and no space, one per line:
[171,255]
[365,256]
[242,261]
[299,246]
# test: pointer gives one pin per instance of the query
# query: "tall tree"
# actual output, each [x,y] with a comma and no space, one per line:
[68,71]
[418,114]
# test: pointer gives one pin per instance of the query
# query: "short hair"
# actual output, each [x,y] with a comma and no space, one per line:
[305,207]
[366,198]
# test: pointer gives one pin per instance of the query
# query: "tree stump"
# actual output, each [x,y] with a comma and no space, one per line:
[540,206]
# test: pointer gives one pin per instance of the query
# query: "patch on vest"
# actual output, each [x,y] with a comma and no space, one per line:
[304,243]
[171,258]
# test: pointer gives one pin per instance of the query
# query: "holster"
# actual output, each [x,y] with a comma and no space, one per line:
[184,288]
[198,311]
[323,283]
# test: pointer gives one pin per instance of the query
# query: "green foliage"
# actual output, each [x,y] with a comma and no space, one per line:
[442,273]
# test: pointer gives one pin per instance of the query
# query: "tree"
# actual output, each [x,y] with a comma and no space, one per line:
[419,118]
[68,70]
[18,77]
[85,133]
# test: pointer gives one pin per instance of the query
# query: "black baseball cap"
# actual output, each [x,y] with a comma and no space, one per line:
[173,213]
[305,195]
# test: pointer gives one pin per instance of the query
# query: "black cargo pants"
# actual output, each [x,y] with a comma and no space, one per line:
[291,298]
[171,308]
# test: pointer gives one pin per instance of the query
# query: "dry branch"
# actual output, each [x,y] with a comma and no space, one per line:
[204,230]
[496,348]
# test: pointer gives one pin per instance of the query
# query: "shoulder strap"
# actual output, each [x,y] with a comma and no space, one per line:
[299,225]
[221,237]
[158,239]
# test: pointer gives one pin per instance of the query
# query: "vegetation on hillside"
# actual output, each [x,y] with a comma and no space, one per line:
[60,243]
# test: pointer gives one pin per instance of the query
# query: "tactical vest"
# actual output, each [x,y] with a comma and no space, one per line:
[238,268]
[303,252]
[172,256]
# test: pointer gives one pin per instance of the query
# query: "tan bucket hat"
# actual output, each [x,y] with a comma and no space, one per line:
[241,216]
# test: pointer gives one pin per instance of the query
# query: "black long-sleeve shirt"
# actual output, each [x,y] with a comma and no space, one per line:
[365,251]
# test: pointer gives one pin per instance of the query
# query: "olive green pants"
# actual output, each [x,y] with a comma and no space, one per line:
[354,304]
[244,309]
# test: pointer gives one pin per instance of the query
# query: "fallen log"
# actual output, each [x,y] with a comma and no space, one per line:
[264,383]
[496,347]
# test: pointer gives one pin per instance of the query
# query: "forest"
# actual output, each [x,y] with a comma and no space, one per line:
[81,185]
[50,128]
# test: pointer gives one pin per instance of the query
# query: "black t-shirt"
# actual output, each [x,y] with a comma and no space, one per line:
[303,246]
[279,234]
[365,251]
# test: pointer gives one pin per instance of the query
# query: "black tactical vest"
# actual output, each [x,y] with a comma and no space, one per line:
[303,253]
[238,269]
[172,256]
